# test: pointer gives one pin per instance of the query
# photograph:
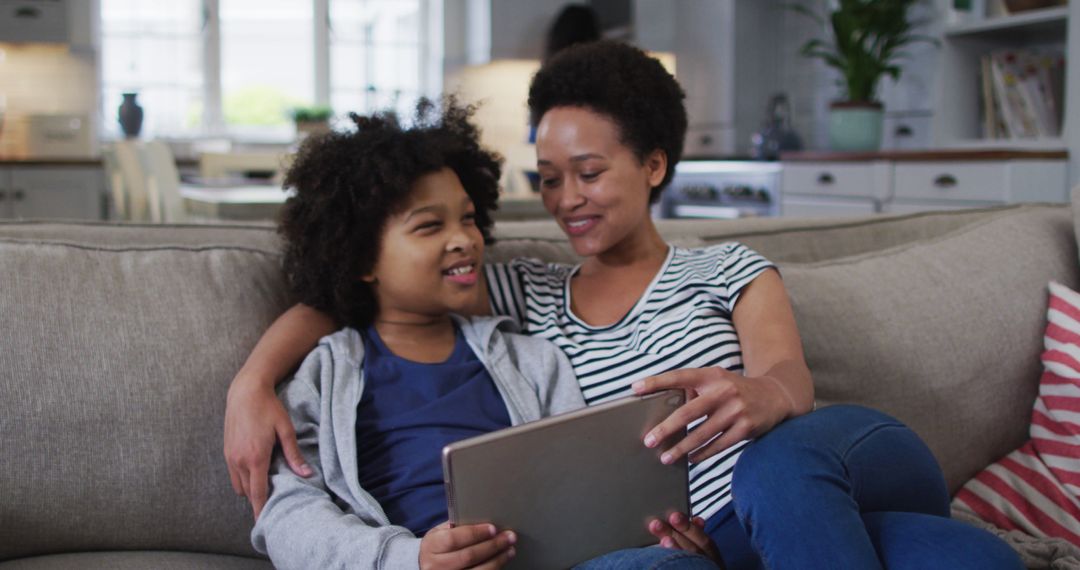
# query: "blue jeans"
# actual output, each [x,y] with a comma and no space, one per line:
[846,487]
[648,558]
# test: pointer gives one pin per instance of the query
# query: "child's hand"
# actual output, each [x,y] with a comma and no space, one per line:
[469,546]
[685,534]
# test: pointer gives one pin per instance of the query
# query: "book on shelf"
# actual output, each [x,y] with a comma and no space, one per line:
[1021,93]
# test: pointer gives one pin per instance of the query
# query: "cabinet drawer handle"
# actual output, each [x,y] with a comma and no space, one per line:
[945,181]
[825,179]
[27,12]
[3,195]
[903,131]
[19,195]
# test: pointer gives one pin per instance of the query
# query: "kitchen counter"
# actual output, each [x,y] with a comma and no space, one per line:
[23,161]
[72,161]
[925,155]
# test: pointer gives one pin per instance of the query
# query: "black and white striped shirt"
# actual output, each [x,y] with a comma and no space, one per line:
[683,320]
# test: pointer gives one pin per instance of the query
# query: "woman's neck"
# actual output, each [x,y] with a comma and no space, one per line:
[418,340]
[642,250]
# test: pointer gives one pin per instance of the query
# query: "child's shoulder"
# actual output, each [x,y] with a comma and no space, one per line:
[346,343]
[488,331]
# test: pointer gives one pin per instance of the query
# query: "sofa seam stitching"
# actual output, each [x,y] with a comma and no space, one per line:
[18,241]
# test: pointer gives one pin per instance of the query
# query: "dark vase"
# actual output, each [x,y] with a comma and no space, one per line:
[131,116]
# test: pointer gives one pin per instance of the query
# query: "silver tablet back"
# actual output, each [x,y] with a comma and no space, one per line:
[572,486]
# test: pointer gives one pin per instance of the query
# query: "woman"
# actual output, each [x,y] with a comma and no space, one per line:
[842,487]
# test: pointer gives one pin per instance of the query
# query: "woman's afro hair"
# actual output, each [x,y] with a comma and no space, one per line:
[348,183]
[623,83]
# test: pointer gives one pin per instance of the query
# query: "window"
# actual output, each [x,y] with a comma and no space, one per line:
[236,67]
[154,49]
[376,53]
[267,62]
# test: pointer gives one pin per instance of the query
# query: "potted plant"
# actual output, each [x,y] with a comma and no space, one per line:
[864,44]
[312,120]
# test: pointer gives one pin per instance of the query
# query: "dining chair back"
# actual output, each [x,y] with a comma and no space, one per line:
[140,206]
[163,181]
[115,180]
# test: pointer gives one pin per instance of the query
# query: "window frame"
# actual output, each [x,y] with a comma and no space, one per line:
[213,119]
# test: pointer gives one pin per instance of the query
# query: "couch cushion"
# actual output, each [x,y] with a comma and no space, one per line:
[945,334]
[114,369]
[139,560]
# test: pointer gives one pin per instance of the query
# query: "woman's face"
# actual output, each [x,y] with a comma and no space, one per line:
[594,185]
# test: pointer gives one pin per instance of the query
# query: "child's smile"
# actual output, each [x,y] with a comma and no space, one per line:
[463,272]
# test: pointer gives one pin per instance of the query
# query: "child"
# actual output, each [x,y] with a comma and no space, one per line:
[386,233]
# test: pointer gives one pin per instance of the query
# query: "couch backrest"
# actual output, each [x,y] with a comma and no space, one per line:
[944,333]
[118,344]
[117,353]
[781,239]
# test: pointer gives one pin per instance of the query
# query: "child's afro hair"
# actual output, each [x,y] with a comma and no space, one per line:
[348,183]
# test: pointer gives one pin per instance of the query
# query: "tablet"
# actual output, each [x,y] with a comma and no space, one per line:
[572,486]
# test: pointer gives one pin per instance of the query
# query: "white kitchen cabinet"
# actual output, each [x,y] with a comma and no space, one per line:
[909,101]
[67,192]
[981,181]
[34,21]
[725,62]
[476,32]
[833,189]
[867,180]
[900,206]
[914,182]
[7,195]
[907,130]
[826,207]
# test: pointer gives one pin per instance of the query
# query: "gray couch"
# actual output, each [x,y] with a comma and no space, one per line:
[119,341]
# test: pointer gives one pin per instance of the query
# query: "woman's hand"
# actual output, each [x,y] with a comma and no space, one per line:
[254,421]
[448,547]
[737,407]
[687,534]
[777,384]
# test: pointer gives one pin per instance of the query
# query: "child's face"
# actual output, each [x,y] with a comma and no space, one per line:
[431,252]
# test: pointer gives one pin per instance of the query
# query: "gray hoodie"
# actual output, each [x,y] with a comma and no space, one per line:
[328,520]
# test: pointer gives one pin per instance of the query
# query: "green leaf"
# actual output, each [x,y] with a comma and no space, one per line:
[867,41]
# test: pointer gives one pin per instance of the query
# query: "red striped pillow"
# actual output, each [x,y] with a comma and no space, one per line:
[1036,489]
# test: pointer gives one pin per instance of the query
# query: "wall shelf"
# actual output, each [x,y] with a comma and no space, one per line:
[1030,22]
[958,116]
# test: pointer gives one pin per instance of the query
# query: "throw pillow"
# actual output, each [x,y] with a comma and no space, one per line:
[1036,488]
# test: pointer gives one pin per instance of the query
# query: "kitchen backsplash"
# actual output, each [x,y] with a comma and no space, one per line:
[41,79]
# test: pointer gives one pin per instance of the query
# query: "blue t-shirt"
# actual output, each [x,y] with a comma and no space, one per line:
[409,411]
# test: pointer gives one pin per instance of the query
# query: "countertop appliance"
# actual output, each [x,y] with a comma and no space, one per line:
[59,136]
[721,189]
